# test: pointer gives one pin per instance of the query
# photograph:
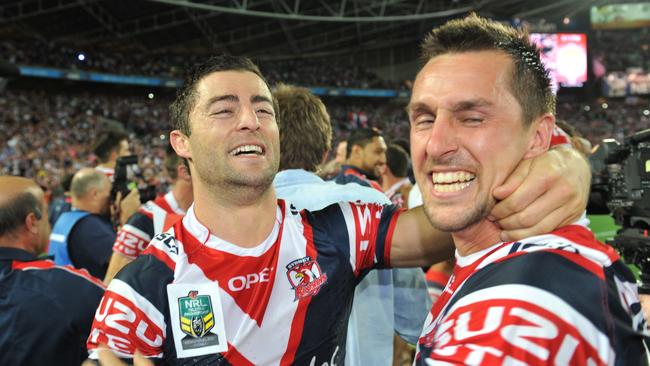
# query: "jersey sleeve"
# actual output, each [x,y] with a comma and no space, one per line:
[364,233]
[131,315]
[134,236]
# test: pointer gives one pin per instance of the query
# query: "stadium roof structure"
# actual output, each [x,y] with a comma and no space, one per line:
[265,29]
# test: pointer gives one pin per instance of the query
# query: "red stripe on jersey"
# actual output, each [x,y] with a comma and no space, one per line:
[366,226]
[583,262]
[124,327]
[487,332]
[375,185]
[161,256]
[583,236]
[559,137]
[48,264]
[129,244]
[298,321]
[235,358]
[162,203]
[389,237]
[438,277]
[248,280]
[171,219]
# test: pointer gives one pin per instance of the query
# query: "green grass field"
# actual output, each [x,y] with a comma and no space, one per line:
[604,228]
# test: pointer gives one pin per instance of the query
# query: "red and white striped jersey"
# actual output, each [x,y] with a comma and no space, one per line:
[557,299]
[152,218]
[285,301]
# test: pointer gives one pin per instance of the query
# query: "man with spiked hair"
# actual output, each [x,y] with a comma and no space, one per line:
[481,106]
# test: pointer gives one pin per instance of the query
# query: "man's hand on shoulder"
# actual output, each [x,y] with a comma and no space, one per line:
[542,194]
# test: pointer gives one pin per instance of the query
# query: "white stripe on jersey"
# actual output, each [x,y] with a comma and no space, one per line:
[628,295]
[171,201]
[351,226]
[159,215]
[126,291]
[548,301]
[137,232]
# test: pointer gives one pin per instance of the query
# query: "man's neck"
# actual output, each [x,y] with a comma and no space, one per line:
[183,195]
[82,205]
[388,180]
[16,241]
[369,175]
[477,237]
[245,219]
[107,165]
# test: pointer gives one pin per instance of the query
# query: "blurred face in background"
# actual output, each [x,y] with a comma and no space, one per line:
[373,156]
[124,149]
[340,152]
[43,224]
[102,197]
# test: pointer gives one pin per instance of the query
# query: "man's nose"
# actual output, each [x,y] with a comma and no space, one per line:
[248,119]
[442,139]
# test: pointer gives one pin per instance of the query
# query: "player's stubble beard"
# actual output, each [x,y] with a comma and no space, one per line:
[220,179]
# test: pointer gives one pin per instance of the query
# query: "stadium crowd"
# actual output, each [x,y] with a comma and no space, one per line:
[328,73]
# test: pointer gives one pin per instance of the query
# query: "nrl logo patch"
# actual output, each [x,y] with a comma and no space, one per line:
[197,319]
[305,277]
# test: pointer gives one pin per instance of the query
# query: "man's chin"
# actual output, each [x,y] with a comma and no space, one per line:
[452,220]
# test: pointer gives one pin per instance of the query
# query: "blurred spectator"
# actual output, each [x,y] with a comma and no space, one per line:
[61,204]
[47,310]
[365,156]
[154,217]
[109,145]
[395,181]
[84,237]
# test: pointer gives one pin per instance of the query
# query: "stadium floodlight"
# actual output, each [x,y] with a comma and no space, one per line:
[81,57]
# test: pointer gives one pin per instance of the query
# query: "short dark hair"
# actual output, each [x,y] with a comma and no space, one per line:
[397,160]
[14,211]
[106,142]
[530,83]
[305,128]
[361,137]
[180,108]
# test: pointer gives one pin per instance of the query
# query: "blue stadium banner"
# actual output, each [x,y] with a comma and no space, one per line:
[77,75]
[46,72]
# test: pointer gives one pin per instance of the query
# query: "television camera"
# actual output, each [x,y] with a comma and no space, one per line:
[621,180]
[122,183]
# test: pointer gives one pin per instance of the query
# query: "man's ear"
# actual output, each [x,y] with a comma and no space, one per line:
[31,223]
[324,158]
[541,131]
[355,151]
[180,144]
[182,172]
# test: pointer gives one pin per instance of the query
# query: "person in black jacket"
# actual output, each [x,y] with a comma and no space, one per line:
[45,310]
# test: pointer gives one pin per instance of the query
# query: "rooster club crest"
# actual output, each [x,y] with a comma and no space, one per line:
[305,277]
